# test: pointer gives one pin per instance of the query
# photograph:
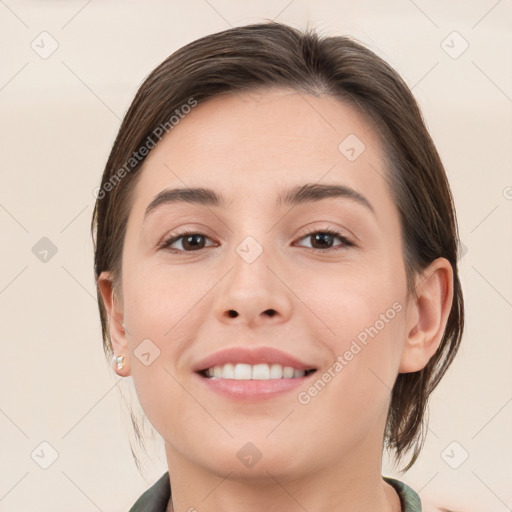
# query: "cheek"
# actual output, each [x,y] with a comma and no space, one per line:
[160,300]
[347,299]
[163,311]
[360,315]
[161,319]
[365,347]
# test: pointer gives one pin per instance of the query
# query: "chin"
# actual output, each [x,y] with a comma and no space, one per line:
[257,460]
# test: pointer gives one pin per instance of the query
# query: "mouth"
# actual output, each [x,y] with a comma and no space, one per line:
[263,371]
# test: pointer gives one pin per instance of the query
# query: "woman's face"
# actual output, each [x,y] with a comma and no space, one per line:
[340,309]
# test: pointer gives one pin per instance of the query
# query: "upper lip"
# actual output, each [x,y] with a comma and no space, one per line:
[252,356]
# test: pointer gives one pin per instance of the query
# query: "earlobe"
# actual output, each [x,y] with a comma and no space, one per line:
[115,319]
[118,363]
[427,315]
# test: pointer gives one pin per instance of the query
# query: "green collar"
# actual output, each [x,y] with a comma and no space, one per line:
[156,498]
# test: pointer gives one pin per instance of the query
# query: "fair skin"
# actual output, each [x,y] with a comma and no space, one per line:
[321,456]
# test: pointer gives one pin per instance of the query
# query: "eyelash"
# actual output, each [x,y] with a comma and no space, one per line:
[177,236]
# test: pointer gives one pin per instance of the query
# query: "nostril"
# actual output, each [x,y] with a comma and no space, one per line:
[232,313]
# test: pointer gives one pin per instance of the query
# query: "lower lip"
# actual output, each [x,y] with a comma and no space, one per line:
[249,390]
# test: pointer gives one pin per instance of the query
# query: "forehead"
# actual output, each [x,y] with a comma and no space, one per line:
[250,145]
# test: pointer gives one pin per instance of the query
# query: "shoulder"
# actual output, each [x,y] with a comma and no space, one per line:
[156,498]
[411,501]
[409,498]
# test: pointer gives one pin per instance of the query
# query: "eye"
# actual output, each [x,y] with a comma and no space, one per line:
[194,241]
[323,239]
[191,241]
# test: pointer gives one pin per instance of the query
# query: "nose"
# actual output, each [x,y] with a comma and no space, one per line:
[254,291]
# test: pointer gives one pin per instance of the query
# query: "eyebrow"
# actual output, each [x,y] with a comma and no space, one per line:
[307,193]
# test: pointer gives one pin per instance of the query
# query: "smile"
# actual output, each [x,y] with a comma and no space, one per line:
[263,371]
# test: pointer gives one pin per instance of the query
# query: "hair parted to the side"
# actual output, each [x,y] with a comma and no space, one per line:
[269,55]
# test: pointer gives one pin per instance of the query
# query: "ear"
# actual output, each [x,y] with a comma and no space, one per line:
[427,314]
[115,318]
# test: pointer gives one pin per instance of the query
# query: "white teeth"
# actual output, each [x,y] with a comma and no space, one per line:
[276,371]
[242,372]
[288,372]
[228,372]
[255,372]
[260,372]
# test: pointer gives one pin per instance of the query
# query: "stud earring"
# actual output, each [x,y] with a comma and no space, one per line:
[120,362]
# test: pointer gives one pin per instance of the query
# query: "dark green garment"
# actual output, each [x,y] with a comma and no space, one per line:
[156,498]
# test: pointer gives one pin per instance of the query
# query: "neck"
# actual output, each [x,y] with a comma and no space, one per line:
[351,485]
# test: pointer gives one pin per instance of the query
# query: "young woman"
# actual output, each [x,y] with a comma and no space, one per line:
[276,259]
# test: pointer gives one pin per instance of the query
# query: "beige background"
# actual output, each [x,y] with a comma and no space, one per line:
[59,117]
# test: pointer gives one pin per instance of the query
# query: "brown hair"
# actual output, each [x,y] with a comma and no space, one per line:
[269,55]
